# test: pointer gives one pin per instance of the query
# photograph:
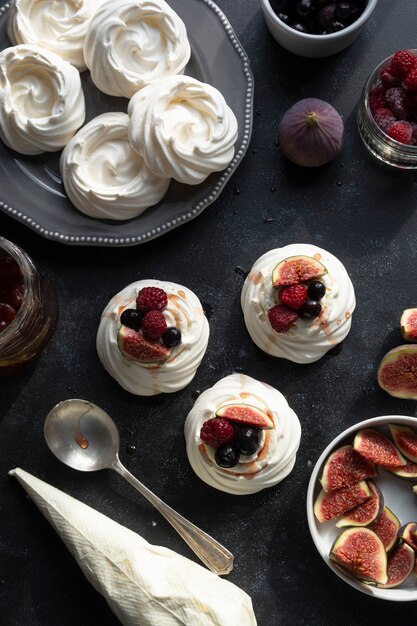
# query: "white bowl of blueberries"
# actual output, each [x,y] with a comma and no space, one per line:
[316,28]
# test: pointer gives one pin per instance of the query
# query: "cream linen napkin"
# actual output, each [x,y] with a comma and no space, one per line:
[145,585]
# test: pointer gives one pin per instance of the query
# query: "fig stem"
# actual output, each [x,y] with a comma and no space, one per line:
[311,120]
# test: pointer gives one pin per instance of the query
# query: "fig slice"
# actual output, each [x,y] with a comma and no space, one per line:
[296,269]
[406,441]
[345,467]
[377,448]
[408,533]
[415,489]
[407,471]
[136,347]
[330,504]
[399,567]
[397,372]
[408,324]
[361,552]
[245,414]
[386,526]
[365,513]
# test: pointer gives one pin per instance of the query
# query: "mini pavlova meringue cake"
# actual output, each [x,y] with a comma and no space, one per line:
[58,26]
[132,43]
[143,584]
[152,337]
[241,435]
[103,176]
[41,100]
[183,128]
[298,302]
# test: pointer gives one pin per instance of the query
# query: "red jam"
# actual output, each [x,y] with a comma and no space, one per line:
[12,290]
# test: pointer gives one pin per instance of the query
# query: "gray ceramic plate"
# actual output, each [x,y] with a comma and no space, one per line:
[31,189]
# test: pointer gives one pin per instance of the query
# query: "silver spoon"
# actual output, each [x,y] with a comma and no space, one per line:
[83,436]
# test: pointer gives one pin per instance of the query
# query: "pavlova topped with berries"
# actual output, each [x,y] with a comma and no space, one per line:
[242,436]
[152,337]
[297,302]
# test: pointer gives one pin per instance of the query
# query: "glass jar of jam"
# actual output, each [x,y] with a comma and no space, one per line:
[28,308]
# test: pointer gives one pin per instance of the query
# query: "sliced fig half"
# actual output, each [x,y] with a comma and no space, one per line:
[407,471]
[406,441]
[297,269]
[377,448]
[397,373]
[361,552]
[135,346]
[245,414]
[386,526]
[330,504]
[408,533]
[365,513]
[408,324]
[399,567]
[345,467]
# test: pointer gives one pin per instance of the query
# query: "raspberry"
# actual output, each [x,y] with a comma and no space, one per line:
[216,431]
[293,296]
[410,81]
[151,299]
[281,318]
[402,62]
[376,98]
[384,117]
[387,78]
[400,131]
[154,325]
[399,102]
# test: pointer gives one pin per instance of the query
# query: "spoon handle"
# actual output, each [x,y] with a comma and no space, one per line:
[211,552]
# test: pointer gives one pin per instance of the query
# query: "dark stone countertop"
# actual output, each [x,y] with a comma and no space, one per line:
[358,210]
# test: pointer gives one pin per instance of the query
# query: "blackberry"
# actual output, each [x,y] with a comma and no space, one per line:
[132,318]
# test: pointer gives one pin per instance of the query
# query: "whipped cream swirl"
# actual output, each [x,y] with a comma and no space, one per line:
[103,177]
[132,43]
[307,340]
[184,311]
[277,450]
[57,25]
[41,100]
[183,128]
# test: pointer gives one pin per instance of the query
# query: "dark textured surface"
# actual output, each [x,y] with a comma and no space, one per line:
[359,211]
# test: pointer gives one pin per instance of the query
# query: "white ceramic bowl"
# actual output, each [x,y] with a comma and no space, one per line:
[398,496]
[314,46]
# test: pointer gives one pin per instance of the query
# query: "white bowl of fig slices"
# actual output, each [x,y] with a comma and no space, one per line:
[362,507]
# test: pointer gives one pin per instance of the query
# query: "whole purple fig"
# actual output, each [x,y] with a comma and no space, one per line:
[311,133]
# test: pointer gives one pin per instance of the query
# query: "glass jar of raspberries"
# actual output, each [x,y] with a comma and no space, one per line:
[387,112]
[28,308]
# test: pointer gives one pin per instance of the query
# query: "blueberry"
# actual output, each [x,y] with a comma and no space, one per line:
[336,26]
[304,8]
[247,440]
[132,318]
[227,456]
[171,337]
[311,309]
[283,17]
[316,290]
[300,27]
[343,10]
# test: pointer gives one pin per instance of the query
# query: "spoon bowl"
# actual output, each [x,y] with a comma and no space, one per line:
[83,436]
